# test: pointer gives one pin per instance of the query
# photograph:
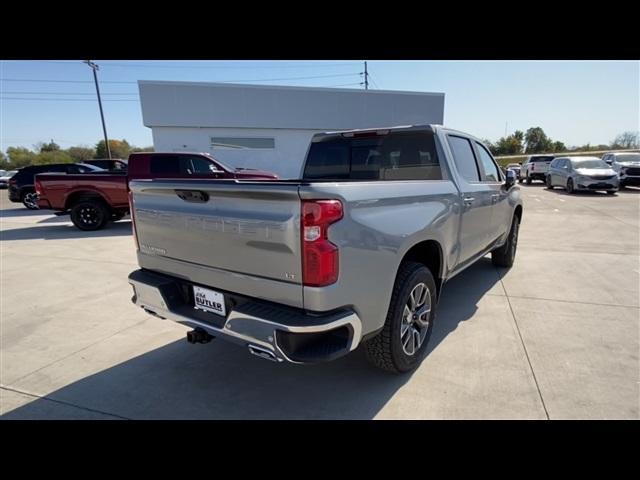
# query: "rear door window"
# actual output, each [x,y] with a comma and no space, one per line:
[464,158]
[491,170]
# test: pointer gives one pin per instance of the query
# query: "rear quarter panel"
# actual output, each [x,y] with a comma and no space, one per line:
[382,221]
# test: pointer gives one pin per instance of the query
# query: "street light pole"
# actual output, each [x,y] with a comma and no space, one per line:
[95,67]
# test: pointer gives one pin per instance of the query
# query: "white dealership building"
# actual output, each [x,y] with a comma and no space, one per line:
[269,127]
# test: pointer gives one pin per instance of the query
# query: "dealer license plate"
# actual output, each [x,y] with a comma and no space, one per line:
[209,300]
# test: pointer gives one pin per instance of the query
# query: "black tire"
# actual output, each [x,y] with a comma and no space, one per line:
[621,186]
[90,214]
[28,199]
[611,192]
[570,188]
[520,180]
[529,180]
[548,182]
[385,350]
[506,254]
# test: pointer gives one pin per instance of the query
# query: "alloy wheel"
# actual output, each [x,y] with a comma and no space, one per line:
[415,319]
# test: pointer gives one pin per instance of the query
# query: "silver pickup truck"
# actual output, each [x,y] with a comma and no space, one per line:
[356,251]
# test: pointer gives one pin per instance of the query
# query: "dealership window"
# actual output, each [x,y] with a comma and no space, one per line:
[233,143]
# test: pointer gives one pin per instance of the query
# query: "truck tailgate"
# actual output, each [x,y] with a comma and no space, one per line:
[242,237]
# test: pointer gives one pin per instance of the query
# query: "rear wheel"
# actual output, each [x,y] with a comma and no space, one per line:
[506,254]
[529,180]
[402,343]
[570,188]
[30,200]
[90,214]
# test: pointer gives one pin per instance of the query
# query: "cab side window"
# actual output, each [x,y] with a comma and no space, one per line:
[464,158]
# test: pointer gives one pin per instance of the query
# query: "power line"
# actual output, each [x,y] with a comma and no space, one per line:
[145,65]
[67,99]
[216,81]
[374,81]
[56,81]
[345,85]
[65,93]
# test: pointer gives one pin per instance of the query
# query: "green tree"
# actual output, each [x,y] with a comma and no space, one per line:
[80,154]
[511,145]
[119,149]
[141,149]
[56,156]
[537,141]
[48,147]
[3,159]
[558,147]
[20,157]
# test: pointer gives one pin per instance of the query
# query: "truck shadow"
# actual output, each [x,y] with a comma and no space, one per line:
[19,212]
[222,381]
[57,231]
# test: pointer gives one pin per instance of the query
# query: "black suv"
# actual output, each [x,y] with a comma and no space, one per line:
[21,189]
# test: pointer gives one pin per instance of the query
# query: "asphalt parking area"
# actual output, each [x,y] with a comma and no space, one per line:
[556,336]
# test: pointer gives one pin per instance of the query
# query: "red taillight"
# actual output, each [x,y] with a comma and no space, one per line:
[12,181]
[533,167]
[319,255]
[38,187]
[133,219]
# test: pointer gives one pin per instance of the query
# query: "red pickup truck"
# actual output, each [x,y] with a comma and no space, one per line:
[94,199]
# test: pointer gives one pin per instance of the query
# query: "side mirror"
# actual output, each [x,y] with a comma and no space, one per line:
[609,161]
[510,180]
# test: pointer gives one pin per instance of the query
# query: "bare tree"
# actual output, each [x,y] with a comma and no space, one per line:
[627,140]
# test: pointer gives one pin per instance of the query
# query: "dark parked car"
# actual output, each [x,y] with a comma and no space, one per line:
[106,164]
[21,185]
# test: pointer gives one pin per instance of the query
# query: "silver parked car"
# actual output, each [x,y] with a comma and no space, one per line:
[626,165]
[582,173]
[6,176]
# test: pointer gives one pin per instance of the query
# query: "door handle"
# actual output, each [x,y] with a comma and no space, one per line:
[495,197]
[468,200]
[193,196]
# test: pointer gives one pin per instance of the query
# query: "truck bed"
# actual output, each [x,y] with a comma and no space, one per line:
[56,191]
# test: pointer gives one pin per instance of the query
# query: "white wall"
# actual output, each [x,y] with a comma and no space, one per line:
[286,159]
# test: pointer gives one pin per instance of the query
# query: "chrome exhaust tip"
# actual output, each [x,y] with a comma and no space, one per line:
[263,353]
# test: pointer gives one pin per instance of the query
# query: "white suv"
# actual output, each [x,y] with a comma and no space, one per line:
[535,167]
[626,165]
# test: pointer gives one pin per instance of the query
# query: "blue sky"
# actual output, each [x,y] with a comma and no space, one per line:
[573,101]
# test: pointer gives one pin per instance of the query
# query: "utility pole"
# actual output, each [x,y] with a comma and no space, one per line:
[366,76]
[95,67]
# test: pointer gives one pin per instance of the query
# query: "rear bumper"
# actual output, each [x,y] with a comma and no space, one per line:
[286,333]
[538,175]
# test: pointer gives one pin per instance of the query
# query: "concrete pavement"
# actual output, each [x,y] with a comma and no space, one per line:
[556,336]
